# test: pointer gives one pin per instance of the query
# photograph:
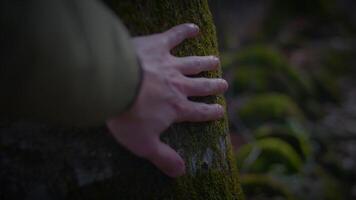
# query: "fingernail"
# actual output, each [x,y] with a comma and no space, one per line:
[224,84]
[194,26]
[219,110]
[215,58]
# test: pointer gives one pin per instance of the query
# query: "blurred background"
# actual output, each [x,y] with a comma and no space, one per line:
[291,66]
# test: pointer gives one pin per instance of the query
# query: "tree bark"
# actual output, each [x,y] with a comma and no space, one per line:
[41,162]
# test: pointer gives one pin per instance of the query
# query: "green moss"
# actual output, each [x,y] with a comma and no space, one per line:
[268,154]
[196,187]
[272,107]
[262,69]
[296,138]
[265,187]
[210,171]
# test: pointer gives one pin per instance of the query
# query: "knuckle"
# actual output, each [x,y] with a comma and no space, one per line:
[169,62]
[200,113]
[210,111]
[178,84]
[170,74]
[178,106]
[205,108]
[216,85]
[175,33]
[182,28]
[196,61]
[219,85]
[187,26]
[208,85]
[164,39]
[175,29]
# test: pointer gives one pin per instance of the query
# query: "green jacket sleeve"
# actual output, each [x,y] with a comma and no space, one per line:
[65,62]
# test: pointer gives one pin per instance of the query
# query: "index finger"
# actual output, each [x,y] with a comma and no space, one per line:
[179,33]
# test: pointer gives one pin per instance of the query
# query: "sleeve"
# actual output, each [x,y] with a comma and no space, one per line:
[65,62]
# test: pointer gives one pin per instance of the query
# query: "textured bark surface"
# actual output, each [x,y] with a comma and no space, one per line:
[41,162]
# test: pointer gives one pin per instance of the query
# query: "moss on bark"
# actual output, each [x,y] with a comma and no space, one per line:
[205,146]
[41,162]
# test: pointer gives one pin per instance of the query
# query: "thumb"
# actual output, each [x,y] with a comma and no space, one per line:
[167,160]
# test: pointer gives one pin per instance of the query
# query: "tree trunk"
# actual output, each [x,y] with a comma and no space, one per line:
[41,162]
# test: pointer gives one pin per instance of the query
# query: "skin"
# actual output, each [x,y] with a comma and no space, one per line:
[162,99]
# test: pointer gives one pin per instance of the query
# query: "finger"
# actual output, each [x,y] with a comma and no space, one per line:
[178,34]
[195,64]
[200,112]
[167,160]
[204,86]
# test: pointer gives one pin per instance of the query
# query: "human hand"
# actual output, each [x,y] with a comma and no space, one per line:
[163,100]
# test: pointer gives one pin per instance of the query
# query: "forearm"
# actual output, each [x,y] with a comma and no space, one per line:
[74,63]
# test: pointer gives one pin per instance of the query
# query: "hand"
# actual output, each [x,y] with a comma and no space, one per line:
[163,100]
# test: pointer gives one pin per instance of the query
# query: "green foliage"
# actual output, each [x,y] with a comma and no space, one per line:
[277,100]
[298,139]
[269,154]
[251,79]
[261,56]
[262,69]
[265,187]
[339,62]
[271,107]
